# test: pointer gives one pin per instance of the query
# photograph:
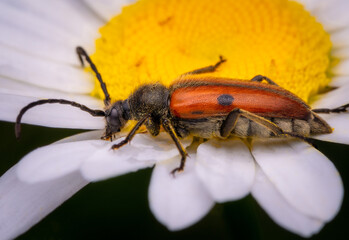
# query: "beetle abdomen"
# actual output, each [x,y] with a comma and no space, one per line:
[208,128]
[306,128]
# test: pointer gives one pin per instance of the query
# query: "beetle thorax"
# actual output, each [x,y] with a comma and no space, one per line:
[149,99]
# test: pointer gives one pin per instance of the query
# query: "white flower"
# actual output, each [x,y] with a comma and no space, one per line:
[294,183]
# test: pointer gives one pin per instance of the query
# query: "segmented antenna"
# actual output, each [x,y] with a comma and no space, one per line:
[343,108]
[81,52]
[95,113]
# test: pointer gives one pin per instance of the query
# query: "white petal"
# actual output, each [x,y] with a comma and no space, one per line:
[338,121]
[43,73]
[25,20]
[51,115]
[280,210]
[32,27]
[340,81]
[51,22]
[333,14]
[37,46]
[333,99]
[339,124]
[340,38]
[22,205]
[226,168]
[107,9]
[112,163]
[56,13]
[178,202]
[341,53]
[303,176]
[143,151]
[13,87]
[57,160]
[89,135]
[310,5]
[342,68]
[157,148]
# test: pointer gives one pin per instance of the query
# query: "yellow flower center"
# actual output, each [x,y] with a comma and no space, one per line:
[157,40]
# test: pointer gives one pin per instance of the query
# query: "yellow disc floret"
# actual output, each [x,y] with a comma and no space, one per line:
[157,40]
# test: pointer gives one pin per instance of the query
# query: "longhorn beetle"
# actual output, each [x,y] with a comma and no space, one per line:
[204,107]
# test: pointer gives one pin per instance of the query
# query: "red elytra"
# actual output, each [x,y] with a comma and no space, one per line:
[210,97]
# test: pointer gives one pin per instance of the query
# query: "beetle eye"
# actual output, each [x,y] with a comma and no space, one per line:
[113,118]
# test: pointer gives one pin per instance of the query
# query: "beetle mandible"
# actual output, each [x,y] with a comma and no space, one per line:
[204,107]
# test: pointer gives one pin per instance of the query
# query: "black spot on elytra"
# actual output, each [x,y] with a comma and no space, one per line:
[225,99]
[197,112]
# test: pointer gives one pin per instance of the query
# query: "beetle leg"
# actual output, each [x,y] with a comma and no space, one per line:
[169,128]
[207,69]
[232,118]
[260,78]
[340,109]
[131,134]
[153,126]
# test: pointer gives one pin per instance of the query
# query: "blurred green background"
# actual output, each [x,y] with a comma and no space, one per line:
[118,207]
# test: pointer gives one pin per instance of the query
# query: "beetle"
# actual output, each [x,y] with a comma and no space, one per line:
[205,107]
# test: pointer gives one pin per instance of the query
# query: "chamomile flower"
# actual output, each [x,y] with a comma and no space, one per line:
[303,46]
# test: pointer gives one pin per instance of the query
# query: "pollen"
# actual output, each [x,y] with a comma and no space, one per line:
[157,41]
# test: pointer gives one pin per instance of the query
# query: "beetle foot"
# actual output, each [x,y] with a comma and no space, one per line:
[119,145]
[177,170]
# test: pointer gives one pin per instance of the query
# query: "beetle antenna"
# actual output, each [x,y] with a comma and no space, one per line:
[343,108]
[81,52]
[95,113]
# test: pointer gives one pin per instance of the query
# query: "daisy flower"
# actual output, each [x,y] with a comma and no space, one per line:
[303,46]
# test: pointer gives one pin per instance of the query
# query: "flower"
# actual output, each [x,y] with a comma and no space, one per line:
[301,191]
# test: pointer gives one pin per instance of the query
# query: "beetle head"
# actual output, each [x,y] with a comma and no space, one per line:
[115,119]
